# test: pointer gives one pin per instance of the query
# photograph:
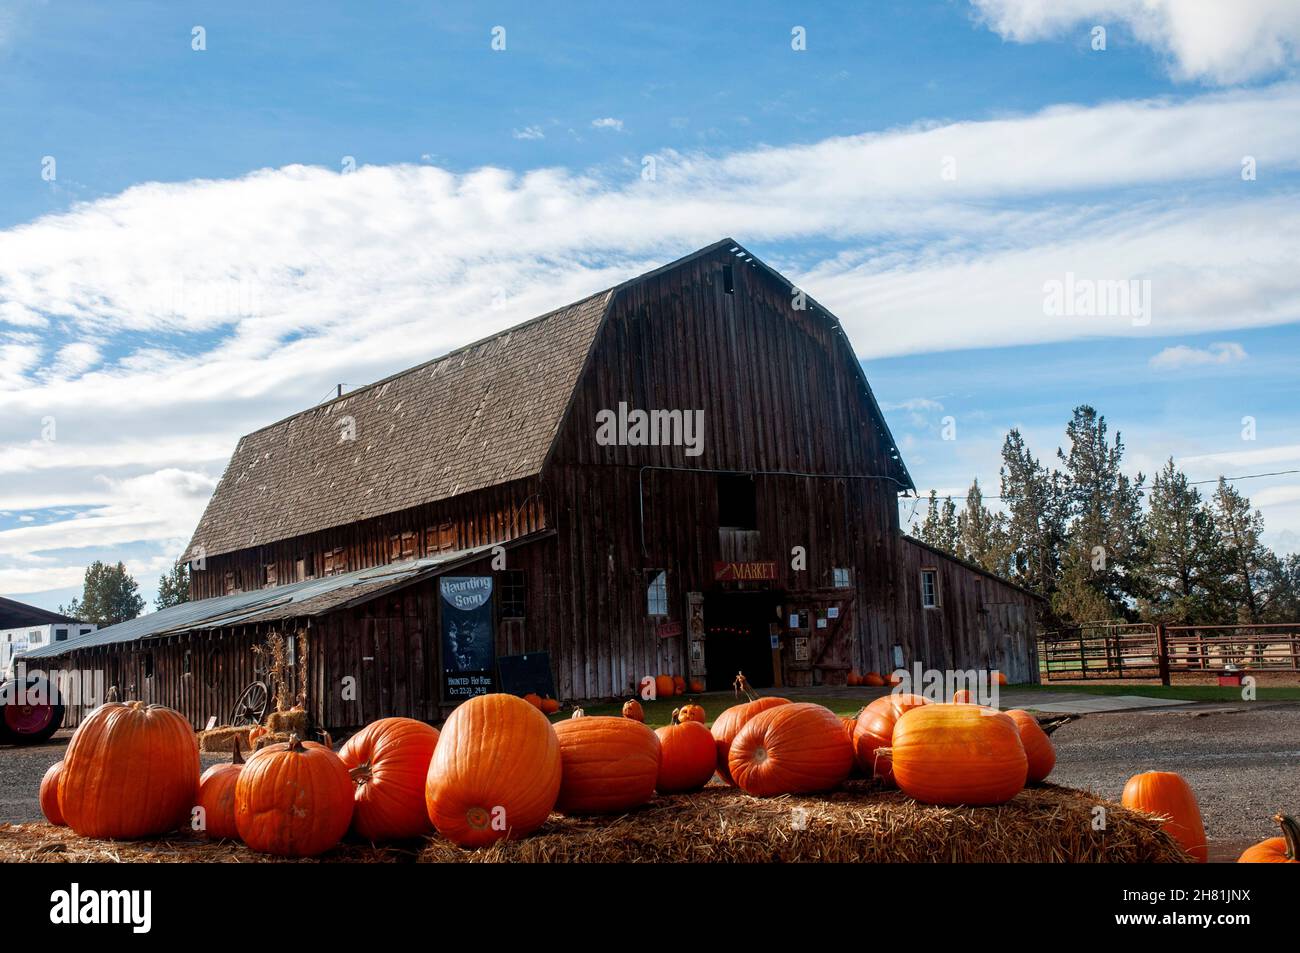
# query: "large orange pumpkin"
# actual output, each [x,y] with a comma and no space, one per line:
[689,757]
[1276,850]
[610,764]
[791,749]
[958,754]
[388,762]
[50,791]
[131,770]
[664,686]
[217,796]
[496,771]
[874,732]
[1038,747]
[293,799]
[1166,795]
[729,723]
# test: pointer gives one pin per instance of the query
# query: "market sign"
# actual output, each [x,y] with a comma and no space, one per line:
[468,637]
[666,630]
[743,572]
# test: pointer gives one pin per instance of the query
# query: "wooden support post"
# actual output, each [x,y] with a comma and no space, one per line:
[1162,653]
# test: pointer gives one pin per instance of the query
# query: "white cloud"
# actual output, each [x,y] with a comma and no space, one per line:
[1220,41]
[529,132]
[608,123]
[1181,356]
[158,325]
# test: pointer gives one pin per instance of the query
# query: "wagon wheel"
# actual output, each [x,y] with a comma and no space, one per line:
[250,707]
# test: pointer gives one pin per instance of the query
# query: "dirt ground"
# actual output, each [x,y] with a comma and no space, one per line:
[1242,761]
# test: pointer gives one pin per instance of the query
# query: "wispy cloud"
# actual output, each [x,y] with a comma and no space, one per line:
[529,132]
[608,123]
[1181,357]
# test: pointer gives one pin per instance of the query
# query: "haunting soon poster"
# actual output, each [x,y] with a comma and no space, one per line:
[468,653]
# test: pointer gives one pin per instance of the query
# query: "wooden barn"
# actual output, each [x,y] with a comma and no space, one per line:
[685,474]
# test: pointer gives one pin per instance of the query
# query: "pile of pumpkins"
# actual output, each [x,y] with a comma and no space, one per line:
[499,767]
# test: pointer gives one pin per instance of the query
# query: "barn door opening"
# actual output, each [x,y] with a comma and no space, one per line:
[738,625]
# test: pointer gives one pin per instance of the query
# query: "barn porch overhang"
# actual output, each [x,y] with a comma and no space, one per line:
[311,597]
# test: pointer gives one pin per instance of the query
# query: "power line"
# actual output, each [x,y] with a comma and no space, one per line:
[1247,476]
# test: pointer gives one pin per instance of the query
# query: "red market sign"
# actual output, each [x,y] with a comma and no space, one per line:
[743,572]
[666,630]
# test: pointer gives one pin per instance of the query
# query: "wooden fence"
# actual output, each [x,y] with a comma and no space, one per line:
[1114,650]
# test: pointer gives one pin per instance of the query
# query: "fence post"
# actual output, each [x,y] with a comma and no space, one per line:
[1162,653]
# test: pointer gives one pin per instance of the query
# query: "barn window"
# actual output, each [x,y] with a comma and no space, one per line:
[728,280]
[512,594]
[737,503]
[147,661]
[401,546]
[270,576]
[60,635]
[185,664]
[657,593]
[334,562]
[841,578]
[930,588]
[300,569]
[441,538]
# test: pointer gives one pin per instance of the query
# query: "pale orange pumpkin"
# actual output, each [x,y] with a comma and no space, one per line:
[1166,795]
[791,749]
[1038,746]
[388,762]
[609,765]
[689,757]
[728,725]
[131,770]
[496,771]
[50,791]
[958,754]
[217,796]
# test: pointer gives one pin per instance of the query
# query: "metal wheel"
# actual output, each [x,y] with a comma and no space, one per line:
[250,708]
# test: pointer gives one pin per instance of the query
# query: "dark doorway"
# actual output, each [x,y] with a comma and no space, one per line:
[738,627]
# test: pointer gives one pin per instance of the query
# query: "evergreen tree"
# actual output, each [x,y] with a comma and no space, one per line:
[1101,570]
[940,527]
[174,586]
[1246,560]
[109,596]
[1035,525]
[982,535]
[1182,557]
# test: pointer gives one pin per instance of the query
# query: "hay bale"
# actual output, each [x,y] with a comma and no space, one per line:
[273,738]
[288,722]
[863,823]
[223,739]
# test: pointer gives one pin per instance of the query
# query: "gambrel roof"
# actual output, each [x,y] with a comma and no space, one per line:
[483,415]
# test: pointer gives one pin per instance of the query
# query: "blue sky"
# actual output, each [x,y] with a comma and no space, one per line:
[204,259]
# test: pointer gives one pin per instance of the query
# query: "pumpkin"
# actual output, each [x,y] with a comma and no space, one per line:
[610,765]
[1038,747]
[958,754]
[874,679]
[217,796]
[729,723]
[131,770]
[293,799]
[963,696]
[791,749]
[873,730]
[690,712]
[697,686]
[632,709]
[496,771]
[388,762]
[1002,678]
[894,680]
[1276,850]
[50,790]
[534,699]
[550,706]
[1166,795]
[689,757]
[853,679]
[679,685]
[253,734]
[664,686]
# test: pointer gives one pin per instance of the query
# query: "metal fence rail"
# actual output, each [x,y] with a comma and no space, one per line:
[1114,650]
